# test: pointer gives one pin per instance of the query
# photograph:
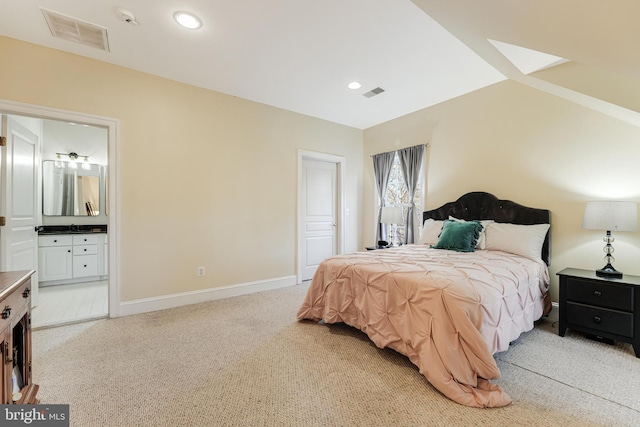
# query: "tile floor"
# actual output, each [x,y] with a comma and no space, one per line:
[76,302]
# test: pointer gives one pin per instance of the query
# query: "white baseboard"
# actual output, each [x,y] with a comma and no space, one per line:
[145,305]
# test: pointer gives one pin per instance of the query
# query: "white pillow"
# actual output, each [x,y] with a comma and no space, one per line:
[430,232]
[523,240]
[482,239]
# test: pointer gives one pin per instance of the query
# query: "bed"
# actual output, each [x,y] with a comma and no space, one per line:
[448,310]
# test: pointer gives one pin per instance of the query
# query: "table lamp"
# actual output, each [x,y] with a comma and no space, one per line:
[392,215]
[610,215]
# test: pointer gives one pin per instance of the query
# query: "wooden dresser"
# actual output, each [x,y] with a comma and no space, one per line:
[15,338]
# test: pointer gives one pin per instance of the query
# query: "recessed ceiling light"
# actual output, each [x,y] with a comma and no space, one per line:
[187,20]
[354,85]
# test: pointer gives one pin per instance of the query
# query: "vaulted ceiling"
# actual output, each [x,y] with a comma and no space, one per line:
[300,55]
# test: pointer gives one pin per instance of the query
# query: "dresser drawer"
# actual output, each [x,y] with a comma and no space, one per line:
[85,250]
[59,240]
[603,294]
[600,319]
[16,300]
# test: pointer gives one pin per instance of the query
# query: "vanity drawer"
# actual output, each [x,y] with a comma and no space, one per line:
[85,239]
[600,319]
[85,250]
[55,240]
[603,294]
[85,265]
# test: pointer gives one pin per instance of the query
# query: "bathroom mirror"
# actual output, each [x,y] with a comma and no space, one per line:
[68,191]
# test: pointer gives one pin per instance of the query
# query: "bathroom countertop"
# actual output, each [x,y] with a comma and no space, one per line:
[72,229]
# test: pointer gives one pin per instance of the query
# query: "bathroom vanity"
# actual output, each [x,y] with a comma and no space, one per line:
[76,253]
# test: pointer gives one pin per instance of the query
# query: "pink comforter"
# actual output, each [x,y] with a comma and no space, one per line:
[448,312]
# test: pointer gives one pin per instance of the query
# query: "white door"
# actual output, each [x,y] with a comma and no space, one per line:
[18,238]
[318,213]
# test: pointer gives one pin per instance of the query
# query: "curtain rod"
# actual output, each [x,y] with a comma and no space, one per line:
[393,151]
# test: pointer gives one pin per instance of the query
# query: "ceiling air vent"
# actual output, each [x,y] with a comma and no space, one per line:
[75,30]
[373,92]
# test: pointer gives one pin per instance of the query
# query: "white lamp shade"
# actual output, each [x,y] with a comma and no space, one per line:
[611,215]
[392,215]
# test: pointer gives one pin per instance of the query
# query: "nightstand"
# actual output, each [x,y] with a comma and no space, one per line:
[604,308]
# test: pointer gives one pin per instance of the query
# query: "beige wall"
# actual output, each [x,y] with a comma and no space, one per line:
[206,179]
[536,149]
[185,203]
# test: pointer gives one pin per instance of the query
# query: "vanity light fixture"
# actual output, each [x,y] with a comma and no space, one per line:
[187,20]
[73,160]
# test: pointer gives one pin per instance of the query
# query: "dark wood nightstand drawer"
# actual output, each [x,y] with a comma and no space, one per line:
[610,295]
[601,319]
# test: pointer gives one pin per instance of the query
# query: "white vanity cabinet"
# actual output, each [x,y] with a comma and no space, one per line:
[68,258]
[55,260]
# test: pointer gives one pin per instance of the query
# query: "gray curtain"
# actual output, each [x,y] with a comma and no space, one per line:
[382,164]
[410,163]
[68,190]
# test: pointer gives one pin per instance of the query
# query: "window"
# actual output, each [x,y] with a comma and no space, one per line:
[397,195]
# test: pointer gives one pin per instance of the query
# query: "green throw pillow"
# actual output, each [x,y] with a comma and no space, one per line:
[459,236]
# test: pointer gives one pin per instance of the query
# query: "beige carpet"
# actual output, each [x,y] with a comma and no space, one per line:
[246,361]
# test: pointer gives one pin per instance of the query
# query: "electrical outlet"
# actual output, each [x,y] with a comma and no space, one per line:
[200,271]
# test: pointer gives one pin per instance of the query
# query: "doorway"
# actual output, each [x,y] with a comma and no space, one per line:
[320,210]
[108,287]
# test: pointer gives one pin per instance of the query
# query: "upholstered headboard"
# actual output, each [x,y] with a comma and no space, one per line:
[481,205]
